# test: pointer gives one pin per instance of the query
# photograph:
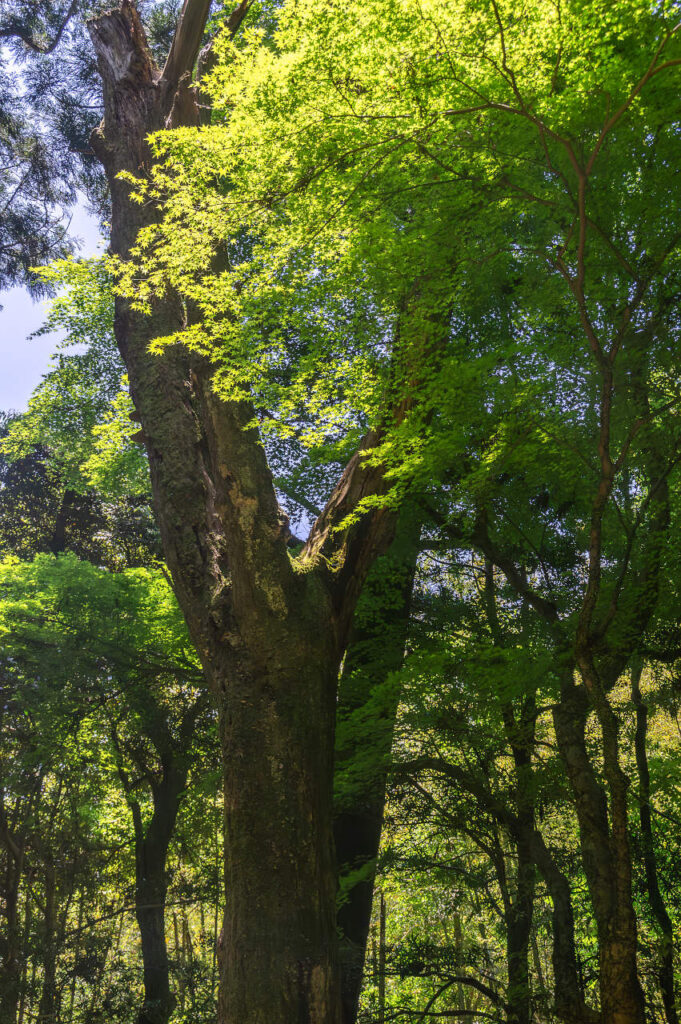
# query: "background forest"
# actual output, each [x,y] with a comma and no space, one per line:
[346,517]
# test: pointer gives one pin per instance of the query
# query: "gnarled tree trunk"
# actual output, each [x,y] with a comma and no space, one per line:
[270,632]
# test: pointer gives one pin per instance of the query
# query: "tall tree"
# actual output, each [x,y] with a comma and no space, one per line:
[270,629]
[526,134]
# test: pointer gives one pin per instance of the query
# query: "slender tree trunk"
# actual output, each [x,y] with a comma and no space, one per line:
[375,651]
[657,904]
[188,957]
[49,996]
[569,997]
[518,931]
[538,968]
[150,913]
[10,943]
[76,952]
[28,913]
[381,961]
[519,725]
[520,733]
[151,853]
[605,853]
[152,842]
[105,981]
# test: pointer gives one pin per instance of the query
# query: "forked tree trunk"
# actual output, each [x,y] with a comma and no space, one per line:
[270,634]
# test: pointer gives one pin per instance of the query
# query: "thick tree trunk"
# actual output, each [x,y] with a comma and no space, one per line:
[376,650]
[605,854]
[657,904]
[278,955]
[270,633]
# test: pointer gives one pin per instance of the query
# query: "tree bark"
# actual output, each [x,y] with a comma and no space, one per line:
[606,855]
[151,853]
[49,996]
[375,651]
[10,943]
[278,958]
[657,904]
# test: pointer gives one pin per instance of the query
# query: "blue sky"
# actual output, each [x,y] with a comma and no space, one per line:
[24,361]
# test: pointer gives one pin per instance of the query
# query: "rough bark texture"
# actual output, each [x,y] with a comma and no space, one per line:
[270,634]
[278,956]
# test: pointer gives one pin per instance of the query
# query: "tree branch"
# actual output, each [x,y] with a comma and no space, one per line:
[28,40]
[185,47]
[186,42]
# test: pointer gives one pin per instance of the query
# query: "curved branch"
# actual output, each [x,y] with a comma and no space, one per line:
[492,996]
[30,42]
